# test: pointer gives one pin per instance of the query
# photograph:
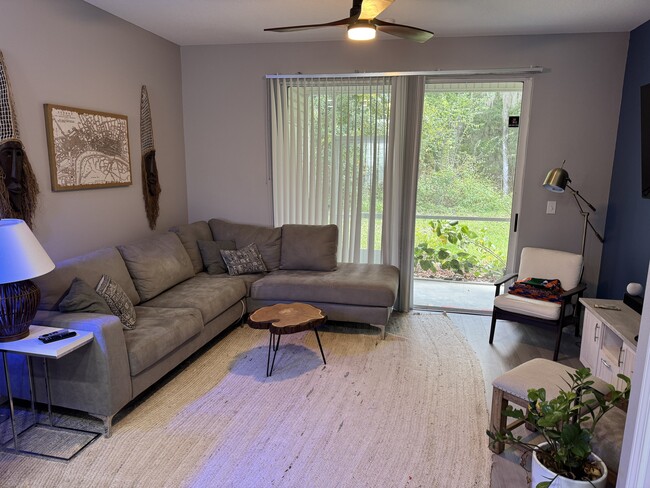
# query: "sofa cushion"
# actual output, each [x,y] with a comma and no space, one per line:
[309,247]
[211,255]
[190,234]
[159,331]
[246,260]
[156,263]
[353,284]
[83,298]
[117,301]
[267,239]
[210,294]
[88,267]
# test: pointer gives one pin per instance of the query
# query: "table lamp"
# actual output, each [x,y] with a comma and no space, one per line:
[21,258]
[557,180]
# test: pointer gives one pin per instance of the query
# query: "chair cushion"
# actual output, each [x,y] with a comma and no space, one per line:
[159,332]
[528,306]
[550,264]
[539,373]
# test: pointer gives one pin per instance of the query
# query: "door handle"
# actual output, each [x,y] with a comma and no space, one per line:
[596,332]
[605,363]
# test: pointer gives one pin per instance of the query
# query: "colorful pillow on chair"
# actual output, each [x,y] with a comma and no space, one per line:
[538,289]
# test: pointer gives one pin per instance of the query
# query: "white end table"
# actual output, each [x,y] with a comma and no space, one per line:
[30,347]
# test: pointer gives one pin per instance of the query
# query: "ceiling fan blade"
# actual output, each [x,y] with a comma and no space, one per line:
[403,31]
[372,8]
[293,28]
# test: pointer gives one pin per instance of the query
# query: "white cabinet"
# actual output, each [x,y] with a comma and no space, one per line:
[608,344]
[591,334]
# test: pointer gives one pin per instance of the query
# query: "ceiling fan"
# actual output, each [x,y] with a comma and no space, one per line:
[363,23]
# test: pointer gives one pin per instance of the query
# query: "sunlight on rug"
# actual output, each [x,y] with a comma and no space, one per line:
[408,411]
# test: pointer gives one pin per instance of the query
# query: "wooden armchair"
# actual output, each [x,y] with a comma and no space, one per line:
[548,264]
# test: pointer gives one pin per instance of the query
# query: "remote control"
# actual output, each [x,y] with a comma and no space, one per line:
[56,335]
[607,307]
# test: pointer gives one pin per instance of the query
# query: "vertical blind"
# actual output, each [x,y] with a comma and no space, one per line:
[329,143]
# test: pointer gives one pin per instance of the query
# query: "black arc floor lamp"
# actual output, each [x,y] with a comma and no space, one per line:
[557,180]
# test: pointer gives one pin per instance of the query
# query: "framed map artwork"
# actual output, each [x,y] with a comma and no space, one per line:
[87,149]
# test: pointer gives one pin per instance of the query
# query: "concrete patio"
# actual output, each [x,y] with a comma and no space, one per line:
[453,296]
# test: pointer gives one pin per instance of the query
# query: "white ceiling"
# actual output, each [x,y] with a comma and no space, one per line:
[192,22]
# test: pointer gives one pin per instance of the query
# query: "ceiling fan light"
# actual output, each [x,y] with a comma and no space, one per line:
[361,31]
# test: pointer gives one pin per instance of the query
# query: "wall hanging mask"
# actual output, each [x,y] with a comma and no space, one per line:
[18,185]
[150,184]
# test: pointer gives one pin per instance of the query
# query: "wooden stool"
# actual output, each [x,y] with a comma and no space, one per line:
[513,387]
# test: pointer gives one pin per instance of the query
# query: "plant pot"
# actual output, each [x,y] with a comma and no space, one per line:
[540,473]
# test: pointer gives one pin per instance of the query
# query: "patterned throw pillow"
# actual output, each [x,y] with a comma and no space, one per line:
[117,301]
[246,260]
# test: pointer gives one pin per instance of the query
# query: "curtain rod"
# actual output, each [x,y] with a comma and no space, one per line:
[447,73]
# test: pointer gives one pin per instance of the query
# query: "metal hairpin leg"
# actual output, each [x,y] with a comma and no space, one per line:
[320,347]
[276,345]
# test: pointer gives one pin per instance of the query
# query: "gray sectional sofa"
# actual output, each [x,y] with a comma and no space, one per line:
[179,306]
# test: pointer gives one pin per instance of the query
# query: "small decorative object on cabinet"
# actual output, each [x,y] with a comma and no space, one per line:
[608,331]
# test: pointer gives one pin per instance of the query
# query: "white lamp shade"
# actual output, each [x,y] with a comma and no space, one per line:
[21,255]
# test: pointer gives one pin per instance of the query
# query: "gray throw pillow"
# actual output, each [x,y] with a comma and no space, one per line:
[210,254]
[246,260]
[117,301]
[82,298]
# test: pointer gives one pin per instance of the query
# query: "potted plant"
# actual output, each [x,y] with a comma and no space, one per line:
[567,424]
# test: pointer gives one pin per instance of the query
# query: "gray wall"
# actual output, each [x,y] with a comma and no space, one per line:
[68,52]
[574,115]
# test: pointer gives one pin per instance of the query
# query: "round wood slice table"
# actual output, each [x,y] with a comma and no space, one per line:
[286,318]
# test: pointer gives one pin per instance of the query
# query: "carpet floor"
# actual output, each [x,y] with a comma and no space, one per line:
[409,411]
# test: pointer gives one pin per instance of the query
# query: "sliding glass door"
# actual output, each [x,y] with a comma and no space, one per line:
[466,206]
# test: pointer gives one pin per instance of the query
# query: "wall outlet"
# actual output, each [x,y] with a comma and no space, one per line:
[550,207]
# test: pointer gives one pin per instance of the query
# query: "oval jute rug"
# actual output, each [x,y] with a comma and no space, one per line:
[409,411]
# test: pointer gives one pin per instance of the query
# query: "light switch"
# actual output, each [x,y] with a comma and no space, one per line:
[550,207]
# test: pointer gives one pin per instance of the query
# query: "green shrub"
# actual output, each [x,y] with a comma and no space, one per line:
[451,249]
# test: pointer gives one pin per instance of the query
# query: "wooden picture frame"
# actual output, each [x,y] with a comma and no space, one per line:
[87,149]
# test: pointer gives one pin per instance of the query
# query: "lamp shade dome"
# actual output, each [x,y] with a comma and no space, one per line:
[21,255]
[556,180]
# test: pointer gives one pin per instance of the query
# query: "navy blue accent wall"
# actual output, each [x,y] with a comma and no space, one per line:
[626,251]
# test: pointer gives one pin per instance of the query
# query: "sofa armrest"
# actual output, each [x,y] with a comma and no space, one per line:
[95,378]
